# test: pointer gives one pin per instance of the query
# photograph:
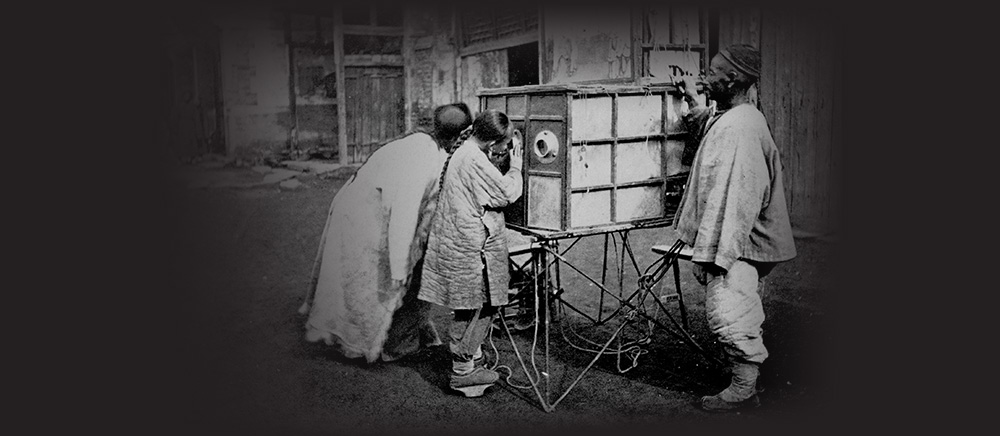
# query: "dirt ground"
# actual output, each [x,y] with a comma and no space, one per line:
[243,258]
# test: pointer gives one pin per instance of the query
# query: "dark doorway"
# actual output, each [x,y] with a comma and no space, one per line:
[522,65]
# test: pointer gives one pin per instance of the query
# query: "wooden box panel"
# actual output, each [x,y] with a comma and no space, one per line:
[545,146]
[639,161]
[590,165]
[590,208]
[545,208]
[639,115]
[592,118]
[638,202]
[594,156]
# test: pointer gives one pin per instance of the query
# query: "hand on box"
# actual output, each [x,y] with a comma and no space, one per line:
[517,157]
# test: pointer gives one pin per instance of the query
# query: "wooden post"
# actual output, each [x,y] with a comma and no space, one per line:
[408,54]
[292,72]
[338,58]
[638,66]
[544,69]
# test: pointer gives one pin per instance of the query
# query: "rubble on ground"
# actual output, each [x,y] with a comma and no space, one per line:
[290,184]
[218,171]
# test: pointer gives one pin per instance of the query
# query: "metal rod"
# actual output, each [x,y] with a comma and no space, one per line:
[684,334]
[563,259]
[591,364]
[619,309]
[621,268]
[680,295]
[534,383]
[558,277]
[580,312]
[631,255]
[604,275]
[547,318]
[567,248]
[686,337]
[538,322]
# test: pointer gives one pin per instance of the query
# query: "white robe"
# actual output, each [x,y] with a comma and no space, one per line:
[377,233]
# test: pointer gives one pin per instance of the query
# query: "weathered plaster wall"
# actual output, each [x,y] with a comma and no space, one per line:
[430,60]
[431,77]
[483,70]
[254,63]
[586,44]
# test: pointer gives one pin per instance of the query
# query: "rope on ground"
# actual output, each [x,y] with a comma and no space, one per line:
[632,349]
[534,343]
[497,366]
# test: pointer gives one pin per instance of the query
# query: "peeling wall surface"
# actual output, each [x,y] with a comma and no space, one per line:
[584,45]
[443,57]
[315,97]
[430,56]
[419,86]
[431,78]
[483,70]
[254,67]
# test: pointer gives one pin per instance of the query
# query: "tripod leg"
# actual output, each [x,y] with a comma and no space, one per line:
[680,295]
[604,275]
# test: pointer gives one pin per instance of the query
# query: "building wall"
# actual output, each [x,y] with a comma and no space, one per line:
[255,86]
[800,89]
[800,95]
[190,121]
[430,54]
[481,70]
[739,26]
[586,44]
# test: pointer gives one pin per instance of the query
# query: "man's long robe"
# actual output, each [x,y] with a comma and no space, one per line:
[377,233]
[734,216]
[734,205]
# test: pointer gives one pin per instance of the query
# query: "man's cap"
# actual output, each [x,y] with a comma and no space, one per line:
[744,57]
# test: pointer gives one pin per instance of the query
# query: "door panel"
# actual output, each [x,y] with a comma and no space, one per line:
[375,108]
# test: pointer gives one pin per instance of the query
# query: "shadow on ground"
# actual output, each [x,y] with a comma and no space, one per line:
[241,263]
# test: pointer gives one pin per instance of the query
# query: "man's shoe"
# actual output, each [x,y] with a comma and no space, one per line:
[720,403]
[474,383]
[741,392]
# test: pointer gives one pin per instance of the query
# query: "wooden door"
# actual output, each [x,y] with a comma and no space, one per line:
[375,108]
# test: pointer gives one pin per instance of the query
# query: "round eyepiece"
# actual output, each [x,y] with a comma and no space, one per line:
[546,146]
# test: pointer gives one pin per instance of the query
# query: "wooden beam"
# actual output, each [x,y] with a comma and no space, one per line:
[338,58]
[454,37]
[458,40]
[373,60]
[408,40]
[499,44]
[541,45]
[423,42]
[604,86]
[292,96]
[638,66]
[312,45]
[373,30]
[544,69]
[698,47]
[610,186]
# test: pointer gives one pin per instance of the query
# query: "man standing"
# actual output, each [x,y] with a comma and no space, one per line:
[734,216]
